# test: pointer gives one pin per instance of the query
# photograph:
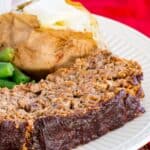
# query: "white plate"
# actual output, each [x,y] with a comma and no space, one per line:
[126,42]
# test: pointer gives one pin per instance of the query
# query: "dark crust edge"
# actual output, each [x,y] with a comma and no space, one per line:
[65,133]
[12,135]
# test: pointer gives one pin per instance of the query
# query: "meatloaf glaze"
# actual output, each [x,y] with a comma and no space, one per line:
[73,105]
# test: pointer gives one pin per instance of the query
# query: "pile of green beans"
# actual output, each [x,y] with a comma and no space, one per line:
[10,75]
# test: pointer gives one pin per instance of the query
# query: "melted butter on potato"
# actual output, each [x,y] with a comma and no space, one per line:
[64,14]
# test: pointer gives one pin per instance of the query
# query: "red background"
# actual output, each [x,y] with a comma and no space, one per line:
[135,13]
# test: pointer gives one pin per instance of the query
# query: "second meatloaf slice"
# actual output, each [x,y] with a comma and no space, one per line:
[72,106]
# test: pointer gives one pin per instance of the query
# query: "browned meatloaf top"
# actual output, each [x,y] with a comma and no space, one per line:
[75,89]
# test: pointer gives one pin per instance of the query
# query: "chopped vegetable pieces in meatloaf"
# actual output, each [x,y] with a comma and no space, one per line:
[97,94]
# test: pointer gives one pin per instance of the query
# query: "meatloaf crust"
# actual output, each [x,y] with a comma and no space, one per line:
[64,133]
[56,133]
[72,106]
[12,135]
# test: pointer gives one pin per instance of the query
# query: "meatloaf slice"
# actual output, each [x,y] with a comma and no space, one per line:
[72,106]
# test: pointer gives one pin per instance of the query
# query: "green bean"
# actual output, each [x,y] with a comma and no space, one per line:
[20,77]
[6,70]
[6,55]
[6,83]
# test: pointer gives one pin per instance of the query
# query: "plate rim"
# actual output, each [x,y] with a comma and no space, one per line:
[146,40]
[135,31]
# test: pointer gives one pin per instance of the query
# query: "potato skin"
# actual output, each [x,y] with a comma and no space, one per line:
[40,49]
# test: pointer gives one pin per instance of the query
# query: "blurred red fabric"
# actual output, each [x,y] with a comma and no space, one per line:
[135,13]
